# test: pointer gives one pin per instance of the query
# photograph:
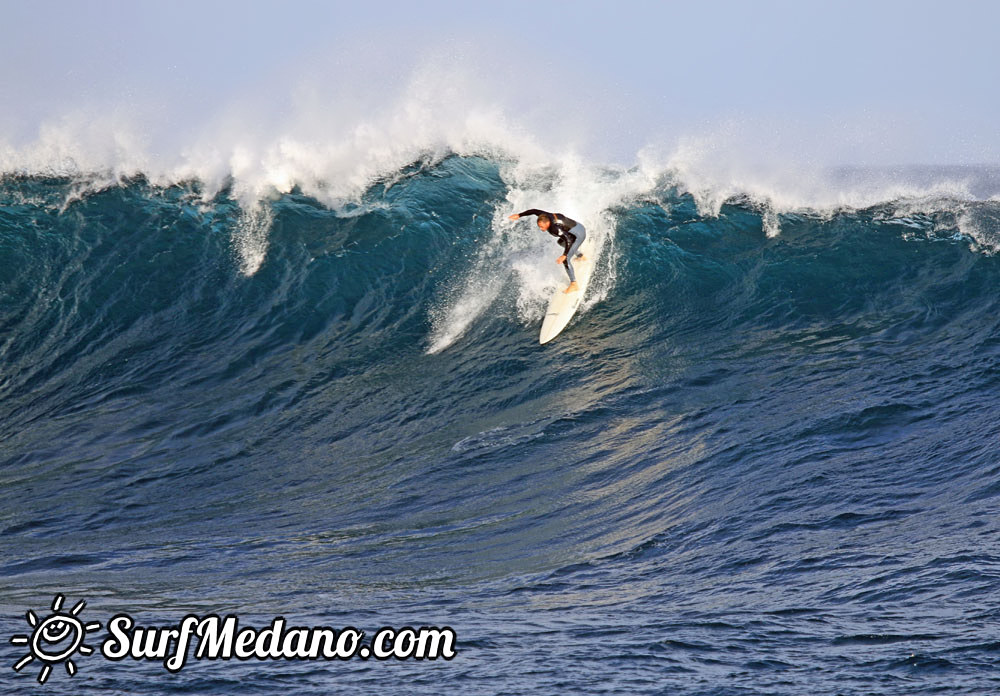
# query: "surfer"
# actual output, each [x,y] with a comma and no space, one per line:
[559,226]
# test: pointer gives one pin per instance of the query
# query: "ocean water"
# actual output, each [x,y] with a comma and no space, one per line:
[761,459]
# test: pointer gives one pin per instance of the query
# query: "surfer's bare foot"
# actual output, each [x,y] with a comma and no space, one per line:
[573,287]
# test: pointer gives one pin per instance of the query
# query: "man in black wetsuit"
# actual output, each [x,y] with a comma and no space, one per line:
[558,225]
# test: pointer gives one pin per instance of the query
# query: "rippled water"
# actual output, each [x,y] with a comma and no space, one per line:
[759,461]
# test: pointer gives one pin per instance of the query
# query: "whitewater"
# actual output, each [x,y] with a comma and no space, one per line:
[295,371]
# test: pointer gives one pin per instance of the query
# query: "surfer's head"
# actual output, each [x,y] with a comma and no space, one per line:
[544,221]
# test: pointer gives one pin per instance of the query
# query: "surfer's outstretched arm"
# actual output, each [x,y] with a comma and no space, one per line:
[532,211]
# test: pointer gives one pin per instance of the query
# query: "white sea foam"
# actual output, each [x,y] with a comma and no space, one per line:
[250,237]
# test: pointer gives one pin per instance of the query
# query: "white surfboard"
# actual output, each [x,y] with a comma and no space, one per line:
[563,306]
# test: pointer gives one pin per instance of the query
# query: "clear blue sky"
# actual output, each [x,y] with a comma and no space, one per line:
[916,78]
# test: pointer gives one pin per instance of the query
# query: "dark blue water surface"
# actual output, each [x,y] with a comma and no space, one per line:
[761,465]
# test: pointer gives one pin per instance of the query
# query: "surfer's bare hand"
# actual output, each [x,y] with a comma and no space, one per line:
[515,216]
[561,259]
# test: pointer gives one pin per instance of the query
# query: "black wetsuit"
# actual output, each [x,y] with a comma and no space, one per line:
[560,228]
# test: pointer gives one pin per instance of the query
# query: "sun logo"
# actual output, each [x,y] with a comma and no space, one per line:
[55,638]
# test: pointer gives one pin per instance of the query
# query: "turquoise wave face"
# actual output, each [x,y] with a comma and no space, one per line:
[784,438]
